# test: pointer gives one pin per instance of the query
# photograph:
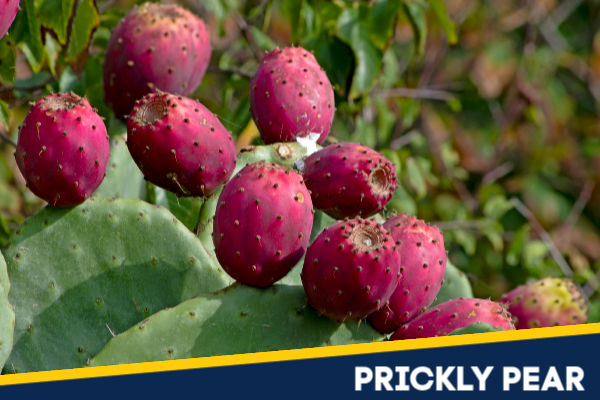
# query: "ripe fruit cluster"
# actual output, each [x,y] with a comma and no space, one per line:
[356,268]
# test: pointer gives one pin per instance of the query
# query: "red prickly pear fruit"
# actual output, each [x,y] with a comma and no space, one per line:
[291,96]
[348,180]
[63,149]
[179,144]
[262,223]
[423,260]
[454,314]
[351,269]
[8,12]
[155,46]
[546,302]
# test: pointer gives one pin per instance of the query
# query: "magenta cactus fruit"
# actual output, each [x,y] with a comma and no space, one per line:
[262,223]
[155,46]
[546,302]
[454,314]
[63,149]
[8,12]
[349,180]
[291,96]
[179,144]
[351,269]
[423,260]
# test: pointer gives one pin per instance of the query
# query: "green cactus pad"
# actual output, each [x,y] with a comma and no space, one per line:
[476,327]
[456,284]
[320,222]
[82,274]
[7,315]
[239,319]
[123,178]
[284,154]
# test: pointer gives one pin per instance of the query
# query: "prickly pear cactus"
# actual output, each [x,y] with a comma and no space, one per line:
[7,315]
[81,275]
[239,319]
[456,284]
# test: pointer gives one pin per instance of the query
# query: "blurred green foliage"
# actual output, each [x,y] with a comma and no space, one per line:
[489,111]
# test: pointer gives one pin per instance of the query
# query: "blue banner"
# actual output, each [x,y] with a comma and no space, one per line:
[544,363]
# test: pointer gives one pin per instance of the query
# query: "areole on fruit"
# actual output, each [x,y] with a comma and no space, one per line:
[151,110]
[382,181]
[366,237]
[65,103]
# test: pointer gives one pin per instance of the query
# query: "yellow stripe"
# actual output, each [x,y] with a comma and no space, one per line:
[300,354]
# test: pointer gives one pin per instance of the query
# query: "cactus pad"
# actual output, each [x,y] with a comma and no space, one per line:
[81,275]
[239,319]
[456,284]
[7,315]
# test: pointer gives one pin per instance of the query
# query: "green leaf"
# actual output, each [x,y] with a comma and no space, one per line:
[263,41]
[365,132]
[534,253]
[336,58]
[239,319]
[386,121]
[32,48]
[55,15]
[81,274]
[68,81]
[4,115]
[85,22]
[7,315]
[467,241]
[439,10]
[496,206]
[293,13]
[476,327]
[8,58]
[515,249]
[493,232]
[382,21]
[353,29]
[594,312]
[52,50]
[403,202]
[414,178]
[416,13]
